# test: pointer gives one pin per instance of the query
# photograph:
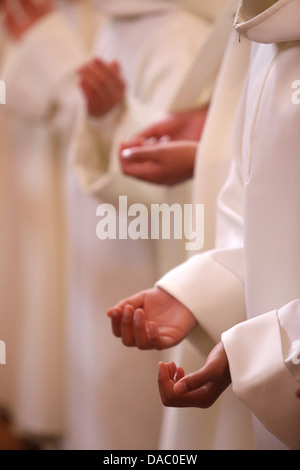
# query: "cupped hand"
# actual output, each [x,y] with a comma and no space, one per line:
[199,389]
[102,86]
[164,163]
[151,319]
[184,125]
[165,152]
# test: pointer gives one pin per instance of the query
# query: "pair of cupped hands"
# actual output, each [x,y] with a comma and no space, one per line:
[163,153]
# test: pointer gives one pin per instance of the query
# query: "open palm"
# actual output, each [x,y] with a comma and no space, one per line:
[151,319]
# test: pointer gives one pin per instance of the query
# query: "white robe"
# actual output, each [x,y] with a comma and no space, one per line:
[33,293]
[255,272]
[9,319]
[110,269]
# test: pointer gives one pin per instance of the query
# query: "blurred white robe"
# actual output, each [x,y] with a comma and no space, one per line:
[113,269]
[33,291]
[9,319]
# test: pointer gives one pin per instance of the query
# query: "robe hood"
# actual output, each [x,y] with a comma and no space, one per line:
[125,8]
[268,21]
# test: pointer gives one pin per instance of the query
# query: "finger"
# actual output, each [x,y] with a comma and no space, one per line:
[140,332]
[134,142]
[127,332]
[110,70]
[29,7]
[163,372]
[111,311]
[201,398]
[147,171]
[110,79]
[175,373]
[193,381]
[153,335]
[89,92]
[179,374]
[115,67]
[135,301]
[158,129]
[90,96]
[216,368]
[164,139]
[90,78]
[204,397]
[35,10]
[106,93]
[172,369]
[165,384]
[135,154]
[142,153]
[158,340]
[157,152]
[151,141]
[83,68]
[116,318]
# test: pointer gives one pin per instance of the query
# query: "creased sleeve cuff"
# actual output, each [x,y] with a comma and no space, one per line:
[212,293]
[260,378]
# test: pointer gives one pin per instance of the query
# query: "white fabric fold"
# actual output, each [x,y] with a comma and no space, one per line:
[260,378]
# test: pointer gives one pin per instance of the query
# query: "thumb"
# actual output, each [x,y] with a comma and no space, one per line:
[115,67]
[134,142]
[215,368]
[193,381]
[137,154]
